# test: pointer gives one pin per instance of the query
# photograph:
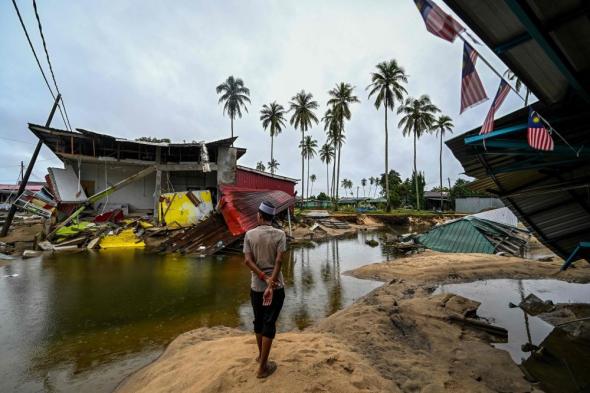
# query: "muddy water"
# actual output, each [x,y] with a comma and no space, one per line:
[559,369]
[75,322]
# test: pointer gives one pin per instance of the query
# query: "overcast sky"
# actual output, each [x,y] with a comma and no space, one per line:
[149,68]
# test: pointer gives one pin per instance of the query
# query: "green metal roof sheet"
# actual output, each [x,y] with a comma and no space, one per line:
[459,236]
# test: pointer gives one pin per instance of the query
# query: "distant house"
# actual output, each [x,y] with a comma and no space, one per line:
[432,200]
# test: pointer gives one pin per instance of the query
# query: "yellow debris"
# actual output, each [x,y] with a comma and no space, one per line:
[180,209]
[125,239]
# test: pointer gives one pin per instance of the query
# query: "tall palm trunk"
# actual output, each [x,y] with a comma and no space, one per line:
[339,154]
[440,171]
[302,166]
[307,189]
[333,193]
[232,127]
[416,176]
[388,206]
[272,168]
[327,177]
[311,188]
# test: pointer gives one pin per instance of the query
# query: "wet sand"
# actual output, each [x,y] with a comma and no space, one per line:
[396,338]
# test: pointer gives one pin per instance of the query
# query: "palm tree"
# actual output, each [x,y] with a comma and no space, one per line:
[312,178]
[235,95]
[518,85]
[308,147]
[303,105]
[340,98]
[363,183]
[332,128]
[442,125]
[273,117]
[273,165]
[326,155]
[387,86]
[260,166]
[418,118]
[371,182]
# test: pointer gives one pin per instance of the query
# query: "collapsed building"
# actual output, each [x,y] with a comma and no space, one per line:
[170,186]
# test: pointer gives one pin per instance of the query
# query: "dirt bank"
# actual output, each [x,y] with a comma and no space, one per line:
[398,338]
[303,231]
[222,360]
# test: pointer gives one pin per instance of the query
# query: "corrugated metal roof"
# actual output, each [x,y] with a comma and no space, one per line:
[458,236]
[545,43]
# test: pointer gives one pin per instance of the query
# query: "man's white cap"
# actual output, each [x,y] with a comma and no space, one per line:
[267,209]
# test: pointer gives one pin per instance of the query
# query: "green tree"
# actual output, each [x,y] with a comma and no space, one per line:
[326,155]
[418,118]
[308,147]
[395,193]
[234,95]
[442,125]
[303,105]
[273,118]
[312,179]
[340,99]
[273,165]
[387,85]
[260,166]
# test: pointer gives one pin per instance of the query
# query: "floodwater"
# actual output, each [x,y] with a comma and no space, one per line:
[558,369]
[84,321]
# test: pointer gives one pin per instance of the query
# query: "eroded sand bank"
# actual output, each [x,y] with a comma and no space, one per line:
[396,338]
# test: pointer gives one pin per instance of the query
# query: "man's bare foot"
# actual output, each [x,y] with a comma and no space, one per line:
[258,358]
[270,368]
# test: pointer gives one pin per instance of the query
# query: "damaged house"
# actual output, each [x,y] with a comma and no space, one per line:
[196,186]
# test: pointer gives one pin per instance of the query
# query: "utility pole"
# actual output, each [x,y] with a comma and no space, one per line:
[27,174]
[22,171]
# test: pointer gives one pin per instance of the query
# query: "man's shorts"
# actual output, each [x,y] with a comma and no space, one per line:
[265,317]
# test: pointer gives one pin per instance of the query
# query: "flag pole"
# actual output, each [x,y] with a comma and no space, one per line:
[489,65]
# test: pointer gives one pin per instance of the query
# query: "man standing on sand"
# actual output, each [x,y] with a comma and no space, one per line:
[263,249]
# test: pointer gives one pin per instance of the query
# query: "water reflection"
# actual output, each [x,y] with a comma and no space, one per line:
[83,321]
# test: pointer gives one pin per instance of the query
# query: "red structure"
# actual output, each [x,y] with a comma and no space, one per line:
[254,179]
[239,206]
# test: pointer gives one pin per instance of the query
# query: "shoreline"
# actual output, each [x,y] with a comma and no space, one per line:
[398,337]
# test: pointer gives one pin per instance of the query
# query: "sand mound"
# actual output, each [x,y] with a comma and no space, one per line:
[222,360]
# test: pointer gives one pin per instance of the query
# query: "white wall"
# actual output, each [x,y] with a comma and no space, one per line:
[138,195]
[476,205]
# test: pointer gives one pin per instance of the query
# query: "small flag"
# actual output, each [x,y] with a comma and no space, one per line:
[537,135]
[472,91]
[437,21]
[488,123]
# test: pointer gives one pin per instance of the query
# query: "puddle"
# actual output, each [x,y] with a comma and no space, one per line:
[558,368]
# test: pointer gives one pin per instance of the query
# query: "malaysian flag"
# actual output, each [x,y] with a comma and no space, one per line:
[488,123]
[472,91]
[437,21]
[537,134]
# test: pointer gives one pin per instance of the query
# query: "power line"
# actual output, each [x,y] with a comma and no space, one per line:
[49,62]
[36,57]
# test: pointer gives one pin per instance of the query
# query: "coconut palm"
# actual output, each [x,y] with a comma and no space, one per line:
[371,182]
[335,139]
[442,125]
[387,85]
[326,155]
[363,183]
[272,117]
[260,166]
[273,165]
[346,184]
[234,95]
[303,106]
[418,118]
[312,179]
[308,147]
[518,85]
[340,99]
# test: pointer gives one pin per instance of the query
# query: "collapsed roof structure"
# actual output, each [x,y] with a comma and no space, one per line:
[546,45]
